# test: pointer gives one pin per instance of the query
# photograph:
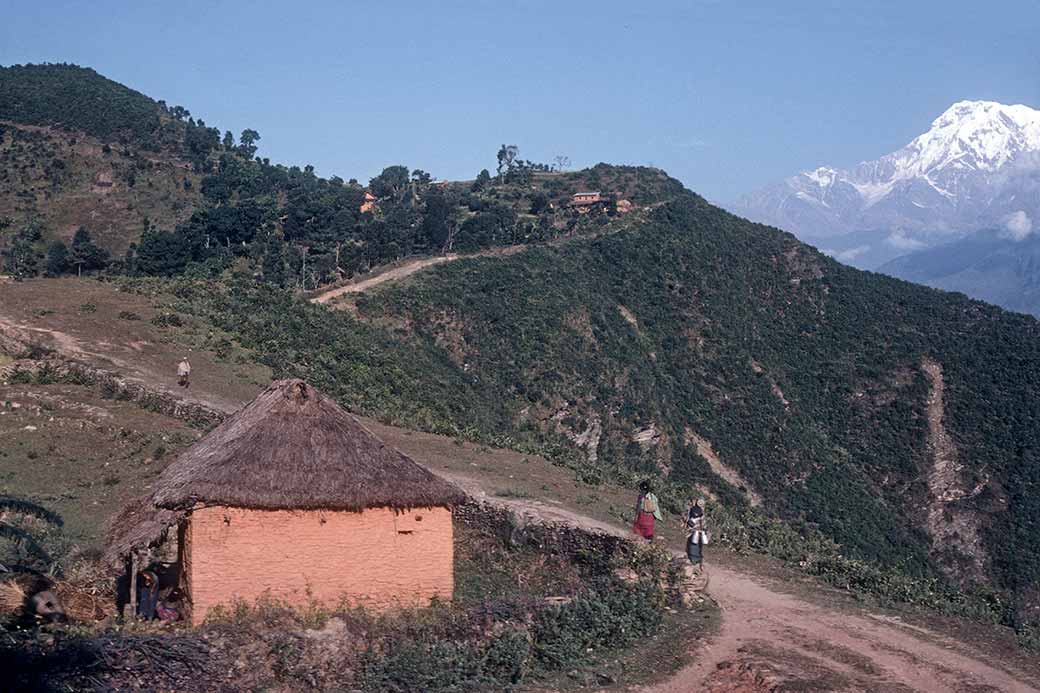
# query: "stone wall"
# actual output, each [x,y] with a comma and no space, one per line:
[585,546]
[61,370]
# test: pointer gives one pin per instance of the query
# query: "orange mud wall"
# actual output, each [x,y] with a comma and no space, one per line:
[376,557]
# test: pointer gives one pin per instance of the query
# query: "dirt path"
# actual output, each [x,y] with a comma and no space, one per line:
[103,355]
[406,270]
[771,640]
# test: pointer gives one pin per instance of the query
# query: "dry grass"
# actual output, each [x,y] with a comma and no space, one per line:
[49,311]
[79,454]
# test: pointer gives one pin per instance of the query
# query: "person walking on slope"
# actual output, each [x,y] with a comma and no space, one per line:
[184,373]
[647,512]
[696,533]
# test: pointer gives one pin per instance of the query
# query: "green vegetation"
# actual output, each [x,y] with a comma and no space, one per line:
[728,315]
[76,98]
[804,375]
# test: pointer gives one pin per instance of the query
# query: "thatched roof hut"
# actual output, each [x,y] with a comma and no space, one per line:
[292,450]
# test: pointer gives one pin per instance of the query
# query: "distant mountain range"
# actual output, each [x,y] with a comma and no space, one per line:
[990,266]
[977,167]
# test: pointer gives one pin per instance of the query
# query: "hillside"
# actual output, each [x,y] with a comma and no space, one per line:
[700,335]
[898,420]
[94,447]
[661,338]
[79,150]
[71,181]
[163,193]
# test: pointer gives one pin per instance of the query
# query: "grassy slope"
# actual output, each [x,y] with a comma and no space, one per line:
[86,454]
[77,98]
[55,123]
[80,454]
[96,323]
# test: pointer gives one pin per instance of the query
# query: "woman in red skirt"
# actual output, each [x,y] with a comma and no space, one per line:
[647,512]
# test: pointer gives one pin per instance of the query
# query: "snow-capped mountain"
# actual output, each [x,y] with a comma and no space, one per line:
[978,166]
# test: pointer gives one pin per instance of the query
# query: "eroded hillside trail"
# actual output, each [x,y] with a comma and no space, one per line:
[381,275]
[368,281]
[772,640]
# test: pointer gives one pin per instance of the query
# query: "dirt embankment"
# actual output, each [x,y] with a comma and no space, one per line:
[953,525]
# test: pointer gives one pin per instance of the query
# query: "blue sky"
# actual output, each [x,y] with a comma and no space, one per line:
[725,95]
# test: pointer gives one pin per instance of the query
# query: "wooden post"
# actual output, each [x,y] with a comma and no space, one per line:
[133,585]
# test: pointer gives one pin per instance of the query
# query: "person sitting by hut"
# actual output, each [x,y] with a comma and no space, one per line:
[147,594]
[167,608]
[647,512]
[184,373]
[696,533]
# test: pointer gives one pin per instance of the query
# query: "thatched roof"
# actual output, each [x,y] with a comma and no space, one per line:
[292,448]
[138,525]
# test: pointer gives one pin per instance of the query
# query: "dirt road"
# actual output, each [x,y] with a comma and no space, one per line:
[406,270]
[771,640]
[775,641]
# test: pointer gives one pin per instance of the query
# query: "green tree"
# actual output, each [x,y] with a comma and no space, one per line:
[539,203]
[273,264]
[506,156]
[247,142]
[482,182]
[22,258]
[57,259]
[162,253]
[436,224]
[421,178]
[86,255]
[391,183]
[229,140]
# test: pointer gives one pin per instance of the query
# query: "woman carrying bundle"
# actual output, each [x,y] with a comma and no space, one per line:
[647,512]
[696,534]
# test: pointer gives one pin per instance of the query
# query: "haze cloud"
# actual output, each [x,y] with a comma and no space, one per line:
[849,254]
[1018,226]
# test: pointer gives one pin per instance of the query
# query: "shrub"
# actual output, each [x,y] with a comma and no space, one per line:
[167,319]
[609,617]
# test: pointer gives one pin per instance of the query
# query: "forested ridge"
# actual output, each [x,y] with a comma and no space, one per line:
[291,226]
